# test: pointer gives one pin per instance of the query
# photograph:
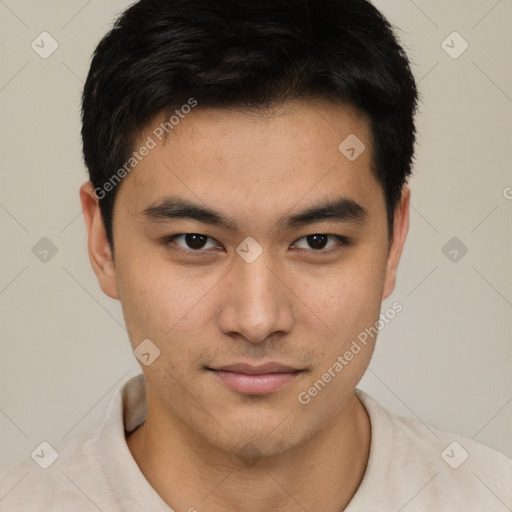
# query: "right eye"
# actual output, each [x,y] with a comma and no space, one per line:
[193,242]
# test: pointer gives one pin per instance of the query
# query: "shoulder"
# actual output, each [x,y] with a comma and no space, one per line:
[66,476]
[434,468]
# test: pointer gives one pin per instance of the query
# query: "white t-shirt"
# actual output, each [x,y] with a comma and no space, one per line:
[411,468]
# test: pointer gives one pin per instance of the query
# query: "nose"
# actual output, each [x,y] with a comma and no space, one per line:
[257,305]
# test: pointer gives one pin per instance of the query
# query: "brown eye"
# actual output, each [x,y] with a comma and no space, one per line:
[193,242]
[320,242]
[317,241]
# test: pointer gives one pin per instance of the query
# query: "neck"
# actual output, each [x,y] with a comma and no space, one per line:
[321,474]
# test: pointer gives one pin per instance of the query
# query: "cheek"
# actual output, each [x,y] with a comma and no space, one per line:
[144,296]
[349,304]
[160,303]
[346,297]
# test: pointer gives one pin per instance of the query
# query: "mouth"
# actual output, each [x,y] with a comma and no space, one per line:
[256,380]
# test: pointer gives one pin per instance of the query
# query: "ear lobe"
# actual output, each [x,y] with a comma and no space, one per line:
[100,253]
[400,229]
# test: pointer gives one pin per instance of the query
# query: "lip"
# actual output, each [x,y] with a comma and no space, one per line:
[256,380]
[270,367]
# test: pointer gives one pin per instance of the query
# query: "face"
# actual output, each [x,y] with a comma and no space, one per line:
[252,252]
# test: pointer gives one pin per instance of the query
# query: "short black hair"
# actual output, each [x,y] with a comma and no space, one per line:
[246,54]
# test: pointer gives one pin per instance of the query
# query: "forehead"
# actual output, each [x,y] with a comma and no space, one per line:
[244,160]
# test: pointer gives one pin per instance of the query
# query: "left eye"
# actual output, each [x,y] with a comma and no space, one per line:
[320,242]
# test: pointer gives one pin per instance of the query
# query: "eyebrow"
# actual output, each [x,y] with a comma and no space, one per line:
[341,209]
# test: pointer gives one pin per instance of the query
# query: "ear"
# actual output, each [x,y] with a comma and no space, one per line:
[100,254]
[400,229]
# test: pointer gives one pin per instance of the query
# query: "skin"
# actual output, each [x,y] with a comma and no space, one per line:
[293,305]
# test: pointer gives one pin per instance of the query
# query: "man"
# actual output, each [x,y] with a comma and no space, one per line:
[248,206]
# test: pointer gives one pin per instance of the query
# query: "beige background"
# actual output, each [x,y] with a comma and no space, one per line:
[446,358]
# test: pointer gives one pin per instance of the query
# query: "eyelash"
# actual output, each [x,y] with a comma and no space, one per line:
[342,242]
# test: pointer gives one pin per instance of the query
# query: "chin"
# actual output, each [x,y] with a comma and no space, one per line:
[260,440]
